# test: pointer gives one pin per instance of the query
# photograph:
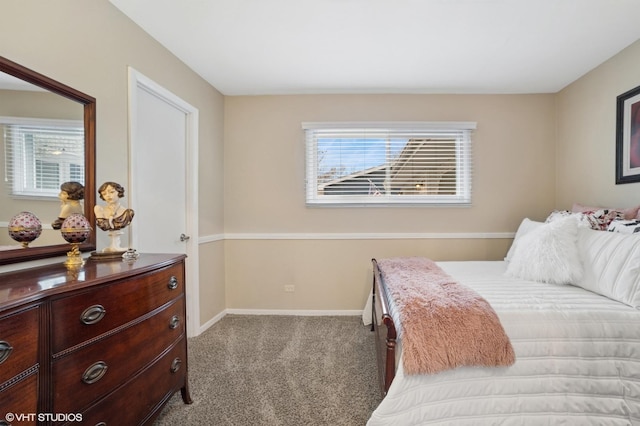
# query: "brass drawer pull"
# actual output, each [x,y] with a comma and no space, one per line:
[101,424]
[5,350]
[94,372]
[93,314]
[175,322]
[173,283]
[175,365]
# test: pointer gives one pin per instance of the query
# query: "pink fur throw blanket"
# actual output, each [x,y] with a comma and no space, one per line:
[443,323]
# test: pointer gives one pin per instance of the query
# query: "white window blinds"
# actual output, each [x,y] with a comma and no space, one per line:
[388,163]
[40,155]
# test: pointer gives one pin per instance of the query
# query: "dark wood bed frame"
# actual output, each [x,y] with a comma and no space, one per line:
[383,326]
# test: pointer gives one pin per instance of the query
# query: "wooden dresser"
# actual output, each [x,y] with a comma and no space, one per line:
[102,345]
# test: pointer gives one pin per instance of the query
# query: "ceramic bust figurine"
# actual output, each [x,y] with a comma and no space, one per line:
[113,216]
[70,195]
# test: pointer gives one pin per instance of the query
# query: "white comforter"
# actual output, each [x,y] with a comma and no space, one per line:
[577,362]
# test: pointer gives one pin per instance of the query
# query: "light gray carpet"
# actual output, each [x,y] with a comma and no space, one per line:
[279,370]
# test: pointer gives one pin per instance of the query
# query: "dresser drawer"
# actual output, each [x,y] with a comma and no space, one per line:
[92,371]
[18,342]
[21,399]
[89,314]
[140,400]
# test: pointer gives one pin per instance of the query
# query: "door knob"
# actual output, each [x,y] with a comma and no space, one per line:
[184,238]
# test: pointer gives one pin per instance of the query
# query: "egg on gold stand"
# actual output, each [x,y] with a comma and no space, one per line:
[75,230]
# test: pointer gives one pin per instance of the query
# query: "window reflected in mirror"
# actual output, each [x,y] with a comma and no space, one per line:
[40,155]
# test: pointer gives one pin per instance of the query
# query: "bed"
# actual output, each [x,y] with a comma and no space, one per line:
[567,297]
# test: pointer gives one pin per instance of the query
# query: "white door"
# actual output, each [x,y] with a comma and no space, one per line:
[163,176]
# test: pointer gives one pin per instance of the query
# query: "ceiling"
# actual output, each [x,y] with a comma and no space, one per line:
[260,47]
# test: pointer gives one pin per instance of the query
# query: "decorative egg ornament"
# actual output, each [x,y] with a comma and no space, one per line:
[75,230]
[24,228]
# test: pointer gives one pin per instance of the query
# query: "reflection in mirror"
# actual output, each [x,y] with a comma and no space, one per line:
[43,139]
[47,135]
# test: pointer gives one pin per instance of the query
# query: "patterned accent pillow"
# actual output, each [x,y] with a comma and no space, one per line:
[624,226]
[597,219]
[561,214]
[628,213]
[600,219]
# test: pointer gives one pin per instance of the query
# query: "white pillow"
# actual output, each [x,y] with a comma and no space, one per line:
[548,254]
[611,265]
[527,225]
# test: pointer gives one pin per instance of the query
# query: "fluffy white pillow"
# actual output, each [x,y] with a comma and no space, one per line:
[527,225]
[611,265]
[548,254]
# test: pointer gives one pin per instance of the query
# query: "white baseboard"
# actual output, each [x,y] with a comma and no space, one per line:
[293,312]
[204,327]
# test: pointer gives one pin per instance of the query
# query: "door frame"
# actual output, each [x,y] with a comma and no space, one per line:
[137,82]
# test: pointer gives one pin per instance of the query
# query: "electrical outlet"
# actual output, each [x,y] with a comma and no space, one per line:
[289,288]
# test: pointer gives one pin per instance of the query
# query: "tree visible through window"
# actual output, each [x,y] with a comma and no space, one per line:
[388,163]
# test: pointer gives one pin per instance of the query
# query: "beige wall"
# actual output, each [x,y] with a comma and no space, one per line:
[586,138]
[328,275]
[264,194]
[532,153]
[513,149]
[88,45]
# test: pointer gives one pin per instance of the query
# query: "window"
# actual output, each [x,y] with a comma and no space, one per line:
[40,155]
[425,163]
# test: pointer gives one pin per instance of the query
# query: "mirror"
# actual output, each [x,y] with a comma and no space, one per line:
[32,97]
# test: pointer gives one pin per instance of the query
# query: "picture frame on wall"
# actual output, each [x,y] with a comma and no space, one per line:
[628,137]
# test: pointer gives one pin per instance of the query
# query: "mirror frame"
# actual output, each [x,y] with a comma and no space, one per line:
[37,79]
